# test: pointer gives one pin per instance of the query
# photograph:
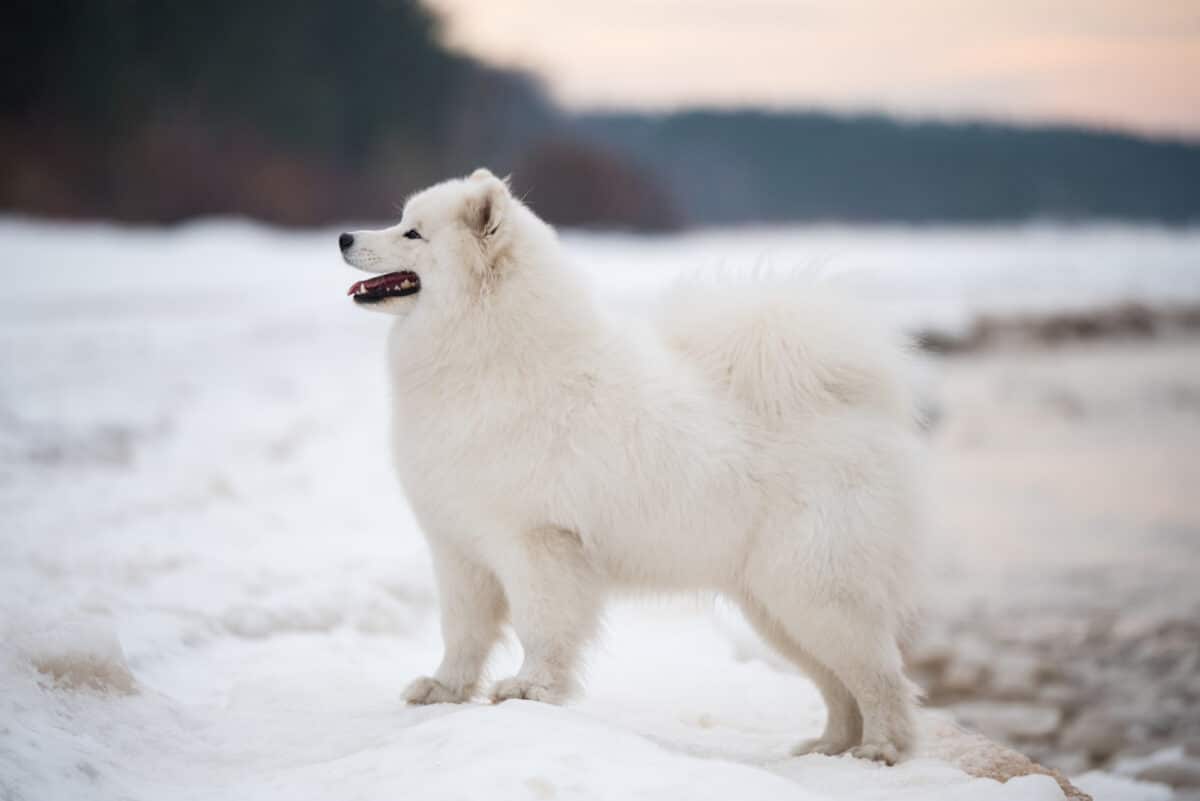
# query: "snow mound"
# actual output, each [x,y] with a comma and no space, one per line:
[524,749]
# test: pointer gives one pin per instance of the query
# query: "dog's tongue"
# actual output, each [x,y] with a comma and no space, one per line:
[382,282]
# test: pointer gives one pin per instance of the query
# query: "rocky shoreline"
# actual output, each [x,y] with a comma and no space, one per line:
[1064,611]
[1121,320]
[1083,691]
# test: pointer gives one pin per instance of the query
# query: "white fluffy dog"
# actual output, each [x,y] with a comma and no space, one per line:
[756,440]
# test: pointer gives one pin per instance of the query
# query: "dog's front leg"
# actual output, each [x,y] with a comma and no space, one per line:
[554,598]
[473,610]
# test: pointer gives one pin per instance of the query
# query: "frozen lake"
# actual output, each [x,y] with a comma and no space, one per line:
[935,277]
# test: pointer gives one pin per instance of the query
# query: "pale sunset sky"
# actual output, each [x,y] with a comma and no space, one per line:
[1113,63]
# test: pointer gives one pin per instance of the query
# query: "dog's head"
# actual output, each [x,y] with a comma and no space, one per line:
[452,238]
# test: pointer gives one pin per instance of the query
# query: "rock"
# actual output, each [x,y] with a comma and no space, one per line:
[1069,764]
[1140,626]
[81,652]
[1067,697]
[1096,734]
[932,654]
[1016,676]
[1010,721]
[1186,795]
[979,756]
[1161,654]
[964,676]
[1181,772]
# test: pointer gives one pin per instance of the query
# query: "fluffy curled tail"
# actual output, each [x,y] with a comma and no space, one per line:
[788,347]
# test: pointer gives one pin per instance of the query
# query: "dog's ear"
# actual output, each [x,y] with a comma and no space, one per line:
[482,174]
[487,205]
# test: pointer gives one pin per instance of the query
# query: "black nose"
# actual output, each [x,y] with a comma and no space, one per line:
[345,241]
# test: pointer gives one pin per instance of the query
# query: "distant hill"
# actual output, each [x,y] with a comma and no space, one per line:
[313,111]
[739,166]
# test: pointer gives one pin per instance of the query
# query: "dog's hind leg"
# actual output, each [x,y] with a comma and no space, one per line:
[871,667]
[554,595]
[843,722]
[865,657]
[847,633]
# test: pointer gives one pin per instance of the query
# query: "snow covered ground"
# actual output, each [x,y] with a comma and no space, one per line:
[211,588]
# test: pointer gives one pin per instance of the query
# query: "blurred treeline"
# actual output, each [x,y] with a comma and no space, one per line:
[313,111]
[731,166]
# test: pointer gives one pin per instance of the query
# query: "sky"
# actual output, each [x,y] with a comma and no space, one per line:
[1109,63]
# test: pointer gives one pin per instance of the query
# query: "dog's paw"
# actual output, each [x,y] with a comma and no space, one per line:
[426,690]
[517,687]
[877,752]
[821,745]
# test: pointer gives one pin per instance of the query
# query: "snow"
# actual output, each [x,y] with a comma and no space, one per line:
[930,277]
[210,586]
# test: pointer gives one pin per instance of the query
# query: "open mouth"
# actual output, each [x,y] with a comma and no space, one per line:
[391,285]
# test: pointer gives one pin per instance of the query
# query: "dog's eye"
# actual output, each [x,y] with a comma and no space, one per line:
[411,233]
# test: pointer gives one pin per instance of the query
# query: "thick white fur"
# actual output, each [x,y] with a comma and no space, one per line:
[756,440]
